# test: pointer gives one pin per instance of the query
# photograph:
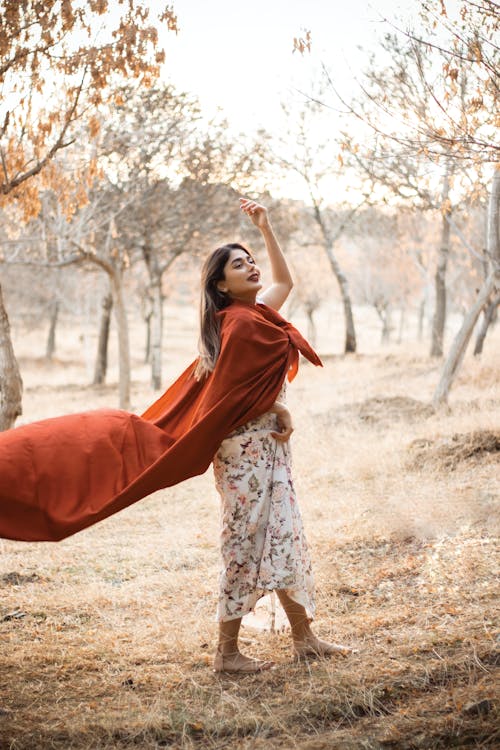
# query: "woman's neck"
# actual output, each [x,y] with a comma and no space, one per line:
[250,300]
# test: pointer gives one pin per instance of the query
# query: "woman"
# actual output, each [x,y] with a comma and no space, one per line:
[262,541]
[61,475]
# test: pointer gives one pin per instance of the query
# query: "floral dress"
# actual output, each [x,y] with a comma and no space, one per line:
[262,539]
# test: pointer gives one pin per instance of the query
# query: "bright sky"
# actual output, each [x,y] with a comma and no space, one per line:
[238,55]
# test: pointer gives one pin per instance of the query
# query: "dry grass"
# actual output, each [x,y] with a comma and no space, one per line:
[107,638]
[384,410]
[450,451]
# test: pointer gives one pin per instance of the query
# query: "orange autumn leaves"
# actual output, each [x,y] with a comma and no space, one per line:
[59,63]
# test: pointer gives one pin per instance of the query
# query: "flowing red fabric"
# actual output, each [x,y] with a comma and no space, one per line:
[61,475]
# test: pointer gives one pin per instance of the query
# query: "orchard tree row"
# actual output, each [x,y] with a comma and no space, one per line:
[106,170]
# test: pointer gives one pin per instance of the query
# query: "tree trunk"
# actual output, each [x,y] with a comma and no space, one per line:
[155,319]
[384,313]
[51,338]
[350,332]
[147,312]
[421,318]
[147,346]
[156,331]
[101,361]
[311,327]
[402,321]
[11,385]
[459,346]
[385,335]
[488,317]
[439,321]
[123,340]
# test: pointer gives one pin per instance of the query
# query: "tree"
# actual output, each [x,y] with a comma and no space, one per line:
[90,238]
[463,38]
[433,96]
[490,286]
[101,360]
[383,277]
[400,108]
[178,173]
[57,76]
[313,159]
[142,151]
[93,238]
[296,227]
[460,126]
[490,312]
[49,50]
[10,377]
[454,62]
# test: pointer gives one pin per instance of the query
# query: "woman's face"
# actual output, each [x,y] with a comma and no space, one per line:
[241,277]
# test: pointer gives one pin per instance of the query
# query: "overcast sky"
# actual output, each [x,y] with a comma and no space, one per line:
[238,55]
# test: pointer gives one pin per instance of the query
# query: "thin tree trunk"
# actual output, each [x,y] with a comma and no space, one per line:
[155,324]
[51,338]
[147,347]
[350,343]
[488,317]
[421,318]
[101,361]
[156,331]
[402,321]
[11,385]
[146,312]
[439,320]
[350,332]
[387,326]
[123,340]
[384,313]
[311,327]
[459,346]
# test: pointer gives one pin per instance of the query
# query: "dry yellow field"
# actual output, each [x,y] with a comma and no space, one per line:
[107,638]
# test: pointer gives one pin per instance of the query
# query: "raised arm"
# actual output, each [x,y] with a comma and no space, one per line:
[282,281]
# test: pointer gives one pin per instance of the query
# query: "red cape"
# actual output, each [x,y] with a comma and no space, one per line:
[60,475]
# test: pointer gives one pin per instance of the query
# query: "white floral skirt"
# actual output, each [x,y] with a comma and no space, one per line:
[262,538]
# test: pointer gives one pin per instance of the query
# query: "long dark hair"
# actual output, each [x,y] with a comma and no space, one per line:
[212,300]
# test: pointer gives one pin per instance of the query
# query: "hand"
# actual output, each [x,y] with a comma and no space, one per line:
[284,423]
[257,213]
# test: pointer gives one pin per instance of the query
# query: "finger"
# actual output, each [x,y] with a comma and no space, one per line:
[283,436]
[278,436]
[246,203]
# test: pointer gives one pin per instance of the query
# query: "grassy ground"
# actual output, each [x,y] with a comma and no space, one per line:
[107,638]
